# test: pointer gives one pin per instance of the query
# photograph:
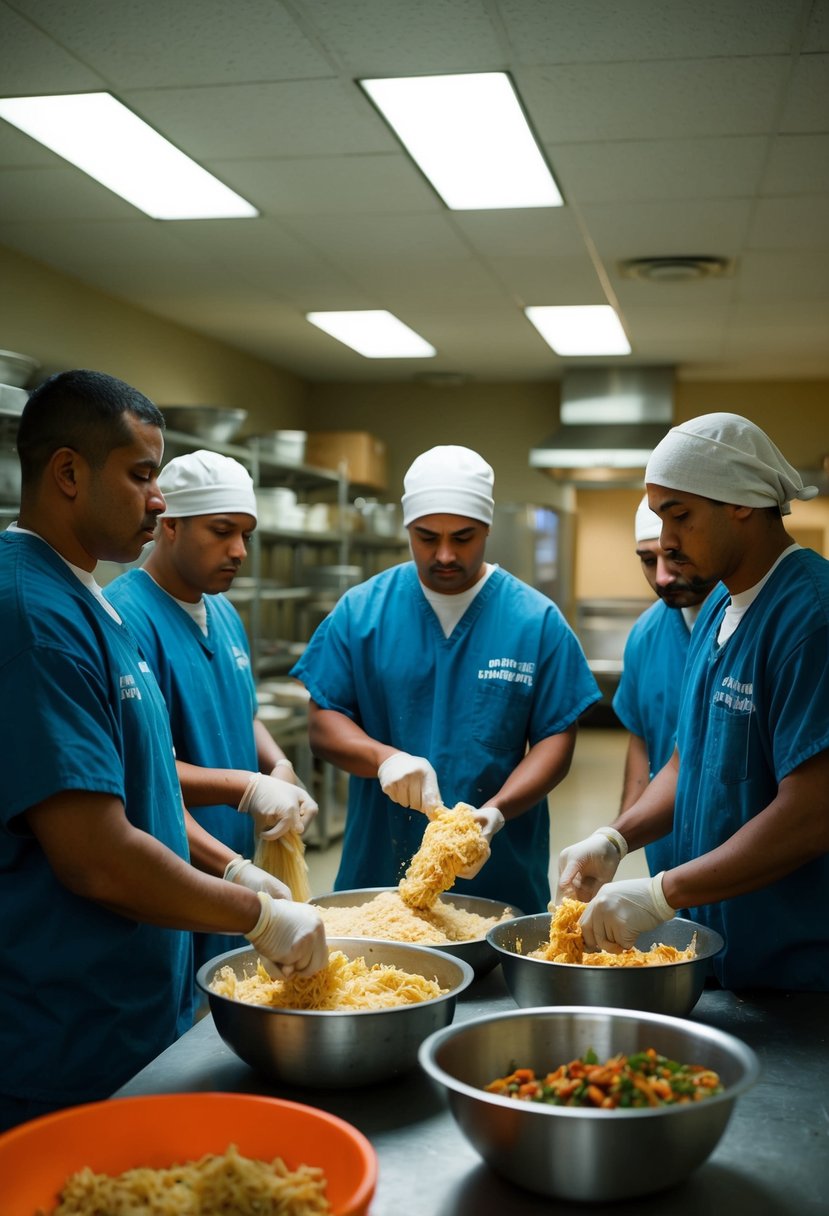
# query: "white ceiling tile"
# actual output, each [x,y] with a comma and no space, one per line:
[783,275]
[406,239]
[557,31]
[791,223]
[817,34]
[798,164]
[653,100]
[333,185]
[531,231]
[550,280]
[656,229]
[143,43]
[296,118]
[34,62]
[629,170]
[399,37]
[57,195]
[807,104]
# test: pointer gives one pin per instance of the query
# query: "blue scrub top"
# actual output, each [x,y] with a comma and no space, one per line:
[647,699]
[89,997]
[210,694]
[511,674]
[752,711]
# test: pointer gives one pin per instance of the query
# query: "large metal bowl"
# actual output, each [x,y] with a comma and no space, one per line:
[212,423]
[578,1152]
[334,1049]
[17,369]
[480,955]
[671,988]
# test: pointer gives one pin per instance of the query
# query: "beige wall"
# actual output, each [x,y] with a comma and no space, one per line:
[65,324]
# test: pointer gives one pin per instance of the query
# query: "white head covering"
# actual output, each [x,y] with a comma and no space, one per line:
[729,459]
[448,480]
[646,525]
[206,483]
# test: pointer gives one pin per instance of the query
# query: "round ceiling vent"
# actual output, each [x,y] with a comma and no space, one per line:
[680,268]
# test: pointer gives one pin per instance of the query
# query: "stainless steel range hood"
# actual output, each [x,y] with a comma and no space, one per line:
[611,420]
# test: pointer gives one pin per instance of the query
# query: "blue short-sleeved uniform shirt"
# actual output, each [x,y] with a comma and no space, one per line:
[647,699]
[89,997]
[753,710]
[510,674]
[208,686]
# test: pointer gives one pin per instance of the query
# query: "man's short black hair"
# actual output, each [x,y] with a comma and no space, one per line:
[82,410]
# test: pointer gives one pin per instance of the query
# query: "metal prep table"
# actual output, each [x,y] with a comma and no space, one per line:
[773,1159]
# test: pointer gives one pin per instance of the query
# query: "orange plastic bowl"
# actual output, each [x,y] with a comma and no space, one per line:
[158,1131]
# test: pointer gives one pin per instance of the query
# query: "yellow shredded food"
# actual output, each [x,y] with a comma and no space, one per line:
[344,984]
[452,842]
[566,945]
[214,1184]
[387,917]
[285,859]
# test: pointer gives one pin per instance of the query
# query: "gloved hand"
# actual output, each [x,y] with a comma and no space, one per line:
[246,874]
[276,806]
[490,820]
[585,866]
[290,937]
[410,781]
[284,770]
[623,910]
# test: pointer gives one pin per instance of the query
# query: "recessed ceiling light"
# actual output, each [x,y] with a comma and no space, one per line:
[118,149]
[375,333]
[469,136]
[588,329]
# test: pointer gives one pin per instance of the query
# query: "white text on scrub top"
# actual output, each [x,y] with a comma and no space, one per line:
[512,670]
[739,696]
[129,690]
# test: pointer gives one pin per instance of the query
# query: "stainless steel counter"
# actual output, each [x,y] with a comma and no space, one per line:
[772,1160]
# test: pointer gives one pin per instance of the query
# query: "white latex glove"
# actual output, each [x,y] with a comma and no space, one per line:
[276,806]
[410,781]
[290,937]
[623,910]
[585,866]
[490,820]
[245,874]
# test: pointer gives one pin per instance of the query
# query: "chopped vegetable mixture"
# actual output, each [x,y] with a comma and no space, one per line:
[640,1080]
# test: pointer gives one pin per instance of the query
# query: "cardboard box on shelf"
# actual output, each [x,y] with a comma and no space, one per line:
[364,455]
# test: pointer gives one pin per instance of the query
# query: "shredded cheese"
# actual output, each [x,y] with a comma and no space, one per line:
[566,945]
[285,859]
[452,842]
[387,917]
[344,984]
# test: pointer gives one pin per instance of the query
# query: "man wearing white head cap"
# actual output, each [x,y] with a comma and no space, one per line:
[746,788]
[446,680]
[646,701]
[195,643]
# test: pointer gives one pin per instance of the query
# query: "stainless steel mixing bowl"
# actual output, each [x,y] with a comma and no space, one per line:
[578,1152]
[210,423]
[477,952]
[334,1049]
[672,988]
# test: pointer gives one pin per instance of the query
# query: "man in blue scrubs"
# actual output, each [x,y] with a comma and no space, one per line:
[97,894]
[647,699]
[196,646]
[746,788]
[445,680]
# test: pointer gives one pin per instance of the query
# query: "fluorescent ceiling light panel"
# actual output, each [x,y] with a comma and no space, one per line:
[591,329]
[118,149]
[375,333]
[469,136]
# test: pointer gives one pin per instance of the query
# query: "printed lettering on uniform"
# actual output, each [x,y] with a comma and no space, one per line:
[242,659]
[129,689]
[512,671]
[736,695]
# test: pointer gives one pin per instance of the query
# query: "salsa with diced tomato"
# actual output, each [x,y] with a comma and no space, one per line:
[645,1079]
